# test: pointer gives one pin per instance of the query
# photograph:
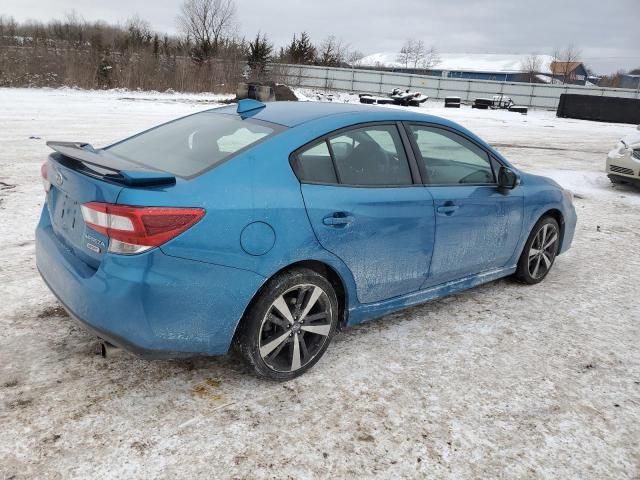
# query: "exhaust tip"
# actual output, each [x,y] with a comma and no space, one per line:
[108,350]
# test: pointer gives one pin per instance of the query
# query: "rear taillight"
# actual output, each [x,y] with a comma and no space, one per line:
[133,230]
[45,178]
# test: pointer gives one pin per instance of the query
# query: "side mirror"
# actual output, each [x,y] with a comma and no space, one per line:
[507,178]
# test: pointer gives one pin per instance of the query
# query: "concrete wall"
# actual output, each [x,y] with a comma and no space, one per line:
[379,82]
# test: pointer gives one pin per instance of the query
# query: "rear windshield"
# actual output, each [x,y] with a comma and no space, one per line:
[188,146]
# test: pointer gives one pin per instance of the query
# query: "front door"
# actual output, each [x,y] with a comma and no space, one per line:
[477,225]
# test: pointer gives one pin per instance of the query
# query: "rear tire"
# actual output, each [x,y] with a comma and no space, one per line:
[540,251]
[289,325]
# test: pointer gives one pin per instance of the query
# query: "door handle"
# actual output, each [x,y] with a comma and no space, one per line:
[338,219]
[448,209]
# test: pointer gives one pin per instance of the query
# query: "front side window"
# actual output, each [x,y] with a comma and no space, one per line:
[190,145]
[450,159]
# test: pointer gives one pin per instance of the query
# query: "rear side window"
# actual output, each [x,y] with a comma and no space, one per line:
[316,165]
[188,146]
[366,156]
[450,159]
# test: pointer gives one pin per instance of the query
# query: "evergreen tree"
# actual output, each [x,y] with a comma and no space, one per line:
[259,54]
[156,46]
[165,46]
[301,51]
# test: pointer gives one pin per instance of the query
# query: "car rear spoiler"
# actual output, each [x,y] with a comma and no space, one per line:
[123,171]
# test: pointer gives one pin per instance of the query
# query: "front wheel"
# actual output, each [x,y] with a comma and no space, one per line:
[289,326]
[539,252]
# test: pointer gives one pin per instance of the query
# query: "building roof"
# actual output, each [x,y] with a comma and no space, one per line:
[465,62]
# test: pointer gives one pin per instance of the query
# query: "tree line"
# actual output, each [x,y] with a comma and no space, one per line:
[206,55]
[76,52]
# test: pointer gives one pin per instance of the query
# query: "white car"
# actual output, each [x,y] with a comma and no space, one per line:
[623,162]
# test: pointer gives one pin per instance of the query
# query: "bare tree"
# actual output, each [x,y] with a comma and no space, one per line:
[206,22]
[563,62]
[332,52]
[431,58]
[531,66]
[411,53]
[418,53]
[354,58]
[415,54]
[8,26]
[140,33]
[404,57]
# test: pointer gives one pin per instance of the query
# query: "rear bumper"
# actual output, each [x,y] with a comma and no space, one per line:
[153,305]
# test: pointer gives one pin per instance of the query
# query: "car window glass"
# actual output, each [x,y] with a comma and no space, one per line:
[384,139]
[315,164]
[343,145]
[190,145]
[239,139]
[346,139]
[449,158]
[371,156]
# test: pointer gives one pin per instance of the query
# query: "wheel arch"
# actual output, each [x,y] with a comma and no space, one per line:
[557,215]
[334,278]
[552,212]
[324,269]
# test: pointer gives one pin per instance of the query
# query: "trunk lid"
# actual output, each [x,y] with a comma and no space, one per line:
[69,190]
[80,174]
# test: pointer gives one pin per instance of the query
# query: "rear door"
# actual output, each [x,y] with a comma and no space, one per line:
[366,208]
[477,225]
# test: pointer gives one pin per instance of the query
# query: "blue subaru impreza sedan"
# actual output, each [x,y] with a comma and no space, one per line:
[270,227]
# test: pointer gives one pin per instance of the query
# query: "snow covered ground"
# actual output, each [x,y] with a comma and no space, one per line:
[500,381]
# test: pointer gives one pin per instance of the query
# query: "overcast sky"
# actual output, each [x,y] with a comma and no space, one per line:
[605,30]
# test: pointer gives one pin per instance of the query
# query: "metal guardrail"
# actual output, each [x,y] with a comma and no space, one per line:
[534,95]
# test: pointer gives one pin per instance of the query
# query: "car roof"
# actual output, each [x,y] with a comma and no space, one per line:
[291,114]
[329,116]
